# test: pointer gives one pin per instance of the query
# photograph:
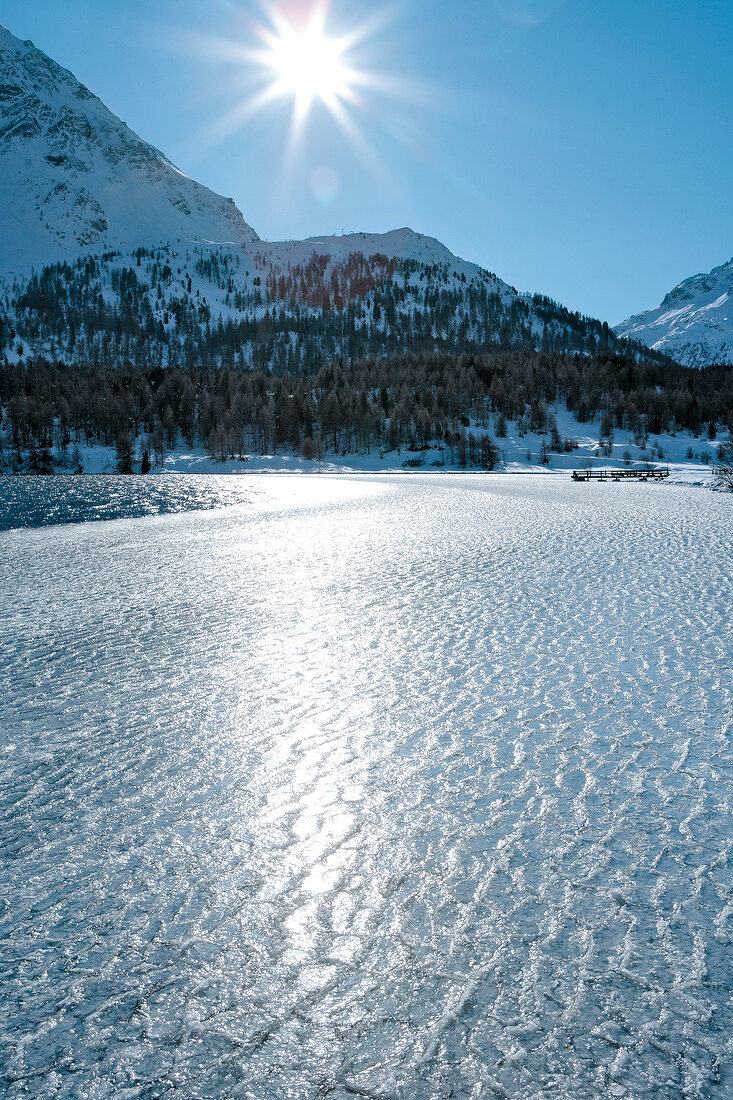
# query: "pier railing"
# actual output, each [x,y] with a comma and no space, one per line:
[656,474]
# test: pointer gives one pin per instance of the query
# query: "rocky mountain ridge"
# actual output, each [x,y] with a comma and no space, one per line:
[75,179]
[693,323]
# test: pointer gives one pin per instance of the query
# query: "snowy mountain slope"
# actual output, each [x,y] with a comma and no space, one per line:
[330,271]
[288,305]
[74,178]
[109,253]
[694,322]
[401,244]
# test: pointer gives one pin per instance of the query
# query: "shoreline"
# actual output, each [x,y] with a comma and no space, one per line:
[680,474]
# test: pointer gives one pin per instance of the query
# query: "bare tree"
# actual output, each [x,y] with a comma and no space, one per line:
[308,448]
[724,465]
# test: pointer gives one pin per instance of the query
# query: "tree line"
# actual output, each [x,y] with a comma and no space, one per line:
[408,401]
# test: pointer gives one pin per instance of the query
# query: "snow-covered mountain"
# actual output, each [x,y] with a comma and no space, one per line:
[400,244]
[694,322]
[74,178]
[108,253]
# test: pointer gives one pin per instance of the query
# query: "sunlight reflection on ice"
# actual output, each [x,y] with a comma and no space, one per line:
[394,787]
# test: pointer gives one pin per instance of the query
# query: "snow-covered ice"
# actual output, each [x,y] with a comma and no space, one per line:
[405,787]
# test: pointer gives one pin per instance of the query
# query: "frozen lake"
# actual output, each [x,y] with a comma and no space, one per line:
[410,787]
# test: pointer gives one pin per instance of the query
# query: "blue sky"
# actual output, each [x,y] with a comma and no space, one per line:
[578,148]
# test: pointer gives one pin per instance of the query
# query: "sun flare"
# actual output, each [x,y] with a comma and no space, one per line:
[303,61]
[297,56]
[307,63]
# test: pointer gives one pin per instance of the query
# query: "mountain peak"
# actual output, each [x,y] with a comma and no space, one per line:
[75,177]
[694,321]
[75,182]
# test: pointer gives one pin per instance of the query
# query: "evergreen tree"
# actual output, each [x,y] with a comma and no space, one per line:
[123,447]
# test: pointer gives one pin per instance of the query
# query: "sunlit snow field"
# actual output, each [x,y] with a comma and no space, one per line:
[406,787]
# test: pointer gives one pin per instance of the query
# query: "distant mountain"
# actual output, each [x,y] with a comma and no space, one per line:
[109,254]
[694,323]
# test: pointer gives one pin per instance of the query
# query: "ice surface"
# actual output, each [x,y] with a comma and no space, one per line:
[412,788]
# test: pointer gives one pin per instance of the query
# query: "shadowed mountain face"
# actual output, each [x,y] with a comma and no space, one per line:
[694,322]
[74,178]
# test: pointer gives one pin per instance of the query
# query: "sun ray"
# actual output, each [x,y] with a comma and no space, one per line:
[292,54]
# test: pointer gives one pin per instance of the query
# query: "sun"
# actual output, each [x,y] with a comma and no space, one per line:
[293,55]
[307,63]
[304,62]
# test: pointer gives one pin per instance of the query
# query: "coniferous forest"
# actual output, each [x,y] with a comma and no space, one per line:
[159,308]
[401,401]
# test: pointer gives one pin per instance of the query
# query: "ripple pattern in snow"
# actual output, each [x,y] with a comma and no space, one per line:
[408,788]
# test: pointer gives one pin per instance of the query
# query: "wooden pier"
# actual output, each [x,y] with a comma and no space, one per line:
[656,474]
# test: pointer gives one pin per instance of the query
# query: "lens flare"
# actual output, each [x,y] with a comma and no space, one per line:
[307,63]
[303,61]
[294,54]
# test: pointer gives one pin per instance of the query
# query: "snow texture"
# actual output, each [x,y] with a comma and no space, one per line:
[389,787]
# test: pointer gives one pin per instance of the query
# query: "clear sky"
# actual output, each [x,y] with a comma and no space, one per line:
[581,148]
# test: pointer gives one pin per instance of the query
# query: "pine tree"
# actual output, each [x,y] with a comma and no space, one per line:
[124,453]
